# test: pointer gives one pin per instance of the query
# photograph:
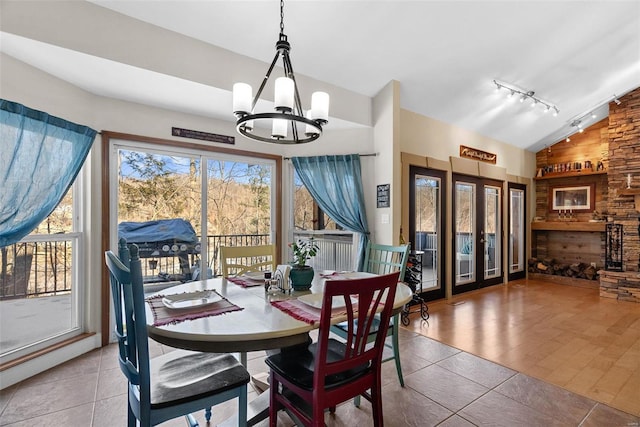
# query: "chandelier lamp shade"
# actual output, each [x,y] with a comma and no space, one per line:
[526,95]
[287,123]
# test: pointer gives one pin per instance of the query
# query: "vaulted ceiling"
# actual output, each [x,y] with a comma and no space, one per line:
[577,55]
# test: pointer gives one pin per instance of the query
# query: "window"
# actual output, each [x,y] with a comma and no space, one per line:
[336,246]
[41,290]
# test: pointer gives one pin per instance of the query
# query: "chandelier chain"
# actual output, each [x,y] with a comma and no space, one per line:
[281,16]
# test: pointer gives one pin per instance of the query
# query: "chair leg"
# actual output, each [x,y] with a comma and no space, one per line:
[242,410]
[191,421]
[396,348]
[376,405]
[273,400]
[131,418]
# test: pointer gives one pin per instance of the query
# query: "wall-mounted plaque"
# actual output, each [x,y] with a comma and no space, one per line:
[475,154]
[383,196]
[205,136]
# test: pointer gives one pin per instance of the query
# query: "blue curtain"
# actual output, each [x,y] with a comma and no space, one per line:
[40,157]
[335,183]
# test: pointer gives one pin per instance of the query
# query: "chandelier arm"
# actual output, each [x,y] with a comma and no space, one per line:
[294,130]
[292,76]
[264,82]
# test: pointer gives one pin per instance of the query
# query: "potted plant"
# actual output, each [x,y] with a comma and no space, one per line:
[301,274]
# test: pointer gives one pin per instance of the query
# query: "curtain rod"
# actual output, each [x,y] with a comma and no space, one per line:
[361,155]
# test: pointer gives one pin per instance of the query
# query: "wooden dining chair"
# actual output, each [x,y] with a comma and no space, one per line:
[383,259]
[174,384]
[308,380]
[238,260]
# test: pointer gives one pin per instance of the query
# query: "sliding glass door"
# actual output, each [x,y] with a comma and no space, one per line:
[216,199]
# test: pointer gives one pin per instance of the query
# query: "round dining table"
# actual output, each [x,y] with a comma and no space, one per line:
[255,325]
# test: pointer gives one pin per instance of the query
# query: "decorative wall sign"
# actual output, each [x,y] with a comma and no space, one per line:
[205,136]
[475,154]
[383,196]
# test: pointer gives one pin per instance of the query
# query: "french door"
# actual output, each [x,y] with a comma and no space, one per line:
[517,230]
[426,225]
[477,235]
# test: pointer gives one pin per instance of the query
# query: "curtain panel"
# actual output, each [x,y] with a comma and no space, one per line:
[335,183]
[40,158]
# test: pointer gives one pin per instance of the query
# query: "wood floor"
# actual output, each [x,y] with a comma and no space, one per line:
[564,335]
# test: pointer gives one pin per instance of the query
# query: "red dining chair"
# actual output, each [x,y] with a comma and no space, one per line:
[309,380]
[383,259]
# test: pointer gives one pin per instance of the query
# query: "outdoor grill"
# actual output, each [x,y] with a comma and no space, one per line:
[164,238]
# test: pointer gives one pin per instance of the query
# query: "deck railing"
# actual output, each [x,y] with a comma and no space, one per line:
[335,249]
[37,266]
[42,265]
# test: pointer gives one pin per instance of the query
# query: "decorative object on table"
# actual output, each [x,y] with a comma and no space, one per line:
[301,274]
[281,276]
[288,108]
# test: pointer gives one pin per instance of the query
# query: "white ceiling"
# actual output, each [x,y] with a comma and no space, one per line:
[575,54]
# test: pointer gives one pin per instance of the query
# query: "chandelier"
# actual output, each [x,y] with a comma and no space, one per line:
[288,122]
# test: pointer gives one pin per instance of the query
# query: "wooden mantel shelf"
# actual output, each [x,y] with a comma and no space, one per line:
[629,192]
[568,226]
[583,172]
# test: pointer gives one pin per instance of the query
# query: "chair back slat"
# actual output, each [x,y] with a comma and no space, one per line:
[237,260]
[375,296]
[385,259]
[129,313]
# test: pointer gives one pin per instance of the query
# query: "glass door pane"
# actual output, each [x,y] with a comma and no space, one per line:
[160,192]
[427,220]
[464,232]
[491,232]
[517,230]
[426,225]
[239,198]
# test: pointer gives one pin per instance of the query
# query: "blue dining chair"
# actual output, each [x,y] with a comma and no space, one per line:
[383,259]
[174,384]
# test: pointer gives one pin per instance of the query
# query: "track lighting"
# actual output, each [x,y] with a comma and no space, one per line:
[526,94]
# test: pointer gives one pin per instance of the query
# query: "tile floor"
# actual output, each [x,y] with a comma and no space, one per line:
[444,387]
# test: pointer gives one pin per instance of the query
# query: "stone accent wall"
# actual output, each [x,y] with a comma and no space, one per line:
[624,158]
[621,285]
